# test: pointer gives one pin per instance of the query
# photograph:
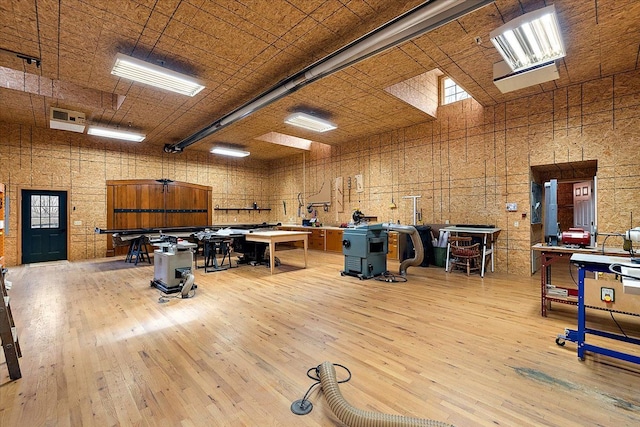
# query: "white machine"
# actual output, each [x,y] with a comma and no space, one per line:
[629,272]
[632,236]
[173,267]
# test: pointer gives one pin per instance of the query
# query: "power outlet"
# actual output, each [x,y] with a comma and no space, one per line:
[607,294]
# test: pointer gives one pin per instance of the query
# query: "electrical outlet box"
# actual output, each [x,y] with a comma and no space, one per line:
[607,294]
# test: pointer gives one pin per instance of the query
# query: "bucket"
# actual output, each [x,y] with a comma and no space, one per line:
[440,255]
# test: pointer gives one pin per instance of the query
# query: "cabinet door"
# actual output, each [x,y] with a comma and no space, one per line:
[393,246]
[316,239]
[334,240]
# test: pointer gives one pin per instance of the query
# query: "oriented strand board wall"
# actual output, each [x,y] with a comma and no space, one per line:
[471,161]
[34,158]
[466,165]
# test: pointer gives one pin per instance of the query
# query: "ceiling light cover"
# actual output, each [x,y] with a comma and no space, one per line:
[307,121]
[231,152]
[154,75]
[529,40]
[115,134]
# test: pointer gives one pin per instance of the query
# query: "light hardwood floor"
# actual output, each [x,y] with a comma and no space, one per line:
[100,350]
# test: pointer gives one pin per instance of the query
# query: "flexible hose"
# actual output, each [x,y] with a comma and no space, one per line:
[417,244]
[354,417]
[188,285]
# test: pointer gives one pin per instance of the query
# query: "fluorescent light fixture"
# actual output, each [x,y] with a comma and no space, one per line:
[310,122]
[154,75]
[530,40]
[231,152]
[508,81]
[115,134]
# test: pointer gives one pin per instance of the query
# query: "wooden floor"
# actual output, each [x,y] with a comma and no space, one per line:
[99,349]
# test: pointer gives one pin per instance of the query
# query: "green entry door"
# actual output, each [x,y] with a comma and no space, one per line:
[44,226]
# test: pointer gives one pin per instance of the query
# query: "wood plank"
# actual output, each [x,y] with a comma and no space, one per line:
[99,349]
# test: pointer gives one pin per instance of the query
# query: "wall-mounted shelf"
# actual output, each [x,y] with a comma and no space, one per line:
[241,209]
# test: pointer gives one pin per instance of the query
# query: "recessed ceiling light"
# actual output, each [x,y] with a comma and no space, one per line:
[307,121]
[530,40]
[154,75]
[115,134]
[227,151]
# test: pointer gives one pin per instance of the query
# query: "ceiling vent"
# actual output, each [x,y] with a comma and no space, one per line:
[66,120]
[508,81]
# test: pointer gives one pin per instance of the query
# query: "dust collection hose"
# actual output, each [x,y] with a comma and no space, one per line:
[417,245]
[354,417]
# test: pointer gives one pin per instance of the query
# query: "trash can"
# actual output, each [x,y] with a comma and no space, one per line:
[440,256]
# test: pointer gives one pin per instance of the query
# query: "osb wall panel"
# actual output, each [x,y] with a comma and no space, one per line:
[471,161]
[34,158]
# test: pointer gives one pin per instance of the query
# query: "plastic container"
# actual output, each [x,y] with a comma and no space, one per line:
[440,256]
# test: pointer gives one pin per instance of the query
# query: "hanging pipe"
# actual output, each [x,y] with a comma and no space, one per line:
[417,21]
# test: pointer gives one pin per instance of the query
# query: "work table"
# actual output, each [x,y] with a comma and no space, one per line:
[550,255]
[329,238]
[311,227]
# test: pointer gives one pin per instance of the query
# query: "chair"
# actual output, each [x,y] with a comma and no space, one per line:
[465,254]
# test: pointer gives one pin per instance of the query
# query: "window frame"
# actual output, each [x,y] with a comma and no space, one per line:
[459,90]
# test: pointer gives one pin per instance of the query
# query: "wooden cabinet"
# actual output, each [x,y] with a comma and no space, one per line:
[334,241]
[397,245]
[135,204]
[393,246]
[316,239]
[2,227]
[320,239]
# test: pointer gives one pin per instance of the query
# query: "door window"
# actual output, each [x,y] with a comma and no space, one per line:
[45,211]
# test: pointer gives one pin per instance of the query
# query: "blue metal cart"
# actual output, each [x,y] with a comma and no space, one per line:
[595,263]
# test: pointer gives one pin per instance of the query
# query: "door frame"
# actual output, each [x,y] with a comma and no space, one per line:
[19,228]
[583,170]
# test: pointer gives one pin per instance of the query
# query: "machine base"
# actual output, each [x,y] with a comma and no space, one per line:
[362,276]
[168,289]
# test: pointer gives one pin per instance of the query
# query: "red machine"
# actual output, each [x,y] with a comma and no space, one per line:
[576,236]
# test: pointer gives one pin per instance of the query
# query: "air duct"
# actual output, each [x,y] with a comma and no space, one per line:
[417,244]
[420,20]
[355,417]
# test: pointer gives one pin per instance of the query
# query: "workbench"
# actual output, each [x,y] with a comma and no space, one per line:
[550,255]
[489,236]
[279,236]
[598,264]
